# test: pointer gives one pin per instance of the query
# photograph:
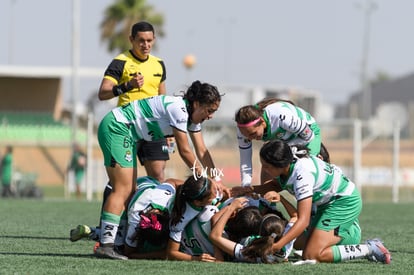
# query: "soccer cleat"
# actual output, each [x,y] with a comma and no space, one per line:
[81,231]
[109,252]
[94,235]
[378,252]
[298,253]
[97,244]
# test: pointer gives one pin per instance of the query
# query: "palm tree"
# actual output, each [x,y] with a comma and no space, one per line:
[121,15]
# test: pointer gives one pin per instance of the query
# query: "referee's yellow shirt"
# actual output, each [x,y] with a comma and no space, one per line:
[125,65]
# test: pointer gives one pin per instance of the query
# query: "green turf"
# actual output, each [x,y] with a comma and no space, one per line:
[34,240]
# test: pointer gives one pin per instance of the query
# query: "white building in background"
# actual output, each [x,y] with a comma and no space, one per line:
[222,128]
[391,99]
[237,96]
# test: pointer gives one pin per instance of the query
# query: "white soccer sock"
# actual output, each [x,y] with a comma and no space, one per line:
[121,233]
[353,252]
[108,232]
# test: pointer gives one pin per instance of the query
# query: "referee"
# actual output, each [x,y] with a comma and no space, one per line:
[136,74]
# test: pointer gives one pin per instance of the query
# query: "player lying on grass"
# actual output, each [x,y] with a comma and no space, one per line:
[244,246]
[149,215]
[192,197]
[189,239]
[154,196]
[195,239]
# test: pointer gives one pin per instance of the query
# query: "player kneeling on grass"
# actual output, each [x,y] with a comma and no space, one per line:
[148,216]
[334,234]
[148,219]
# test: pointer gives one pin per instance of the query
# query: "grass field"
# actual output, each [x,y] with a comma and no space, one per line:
[34,240]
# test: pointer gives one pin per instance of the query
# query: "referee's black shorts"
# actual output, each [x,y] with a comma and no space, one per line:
[152,150]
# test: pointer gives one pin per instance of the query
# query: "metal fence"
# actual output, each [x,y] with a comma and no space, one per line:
[381,164]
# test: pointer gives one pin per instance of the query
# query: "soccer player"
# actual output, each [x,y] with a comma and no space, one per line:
[77,164]
[151,118]
[195,239]
[273,119]
[333,233]
[7,172]
[141,239]
[196,194]
[246,239]
[148,218]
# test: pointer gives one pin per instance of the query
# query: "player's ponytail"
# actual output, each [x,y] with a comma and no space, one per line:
[193,189]
[203,93]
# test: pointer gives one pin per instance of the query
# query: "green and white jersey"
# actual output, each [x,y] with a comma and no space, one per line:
[279,256]
[195,237]
[190,213]
[153,118]
[284,121]
[238,248]
[312,177]
[150,194]
[287,122]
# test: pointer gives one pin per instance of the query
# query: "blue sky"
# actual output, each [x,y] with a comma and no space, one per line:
[312,44]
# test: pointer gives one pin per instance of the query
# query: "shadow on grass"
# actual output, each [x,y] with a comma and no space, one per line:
[35,237]
[89,256]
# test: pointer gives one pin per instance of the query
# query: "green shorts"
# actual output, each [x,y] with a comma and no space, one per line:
[341,215]
[79,176]
[117,143]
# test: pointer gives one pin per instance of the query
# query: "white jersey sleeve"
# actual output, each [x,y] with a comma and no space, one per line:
[177,113]
[246,152]
[189,214]
[194,127]
[238,252]
[304,181]
[238,248]
[289,246]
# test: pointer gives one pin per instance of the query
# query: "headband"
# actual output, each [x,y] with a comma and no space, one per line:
[267,216]
[248,124]
[202,190]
